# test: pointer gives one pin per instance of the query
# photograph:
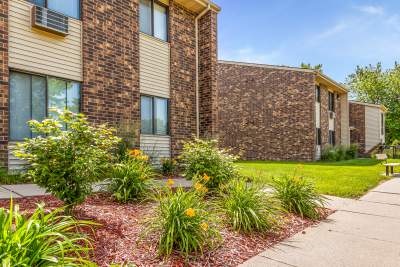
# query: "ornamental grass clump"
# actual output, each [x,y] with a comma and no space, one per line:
[200,157]
[132,179]
[68,155]
[297,195]
[247,207]
[43,239]
[182,222]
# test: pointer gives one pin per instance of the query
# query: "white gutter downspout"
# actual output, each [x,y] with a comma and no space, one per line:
[208,8]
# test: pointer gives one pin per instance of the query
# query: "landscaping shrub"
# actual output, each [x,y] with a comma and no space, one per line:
[203,157]
[183,223]
[131,178]
[168,166]
[12,178]
[247,207]
[128,131]
[338,153]
[67,162]
[297,195]
[43,239]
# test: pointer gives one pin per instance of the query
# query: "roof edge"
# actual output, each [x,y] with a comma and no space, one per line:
[382,107]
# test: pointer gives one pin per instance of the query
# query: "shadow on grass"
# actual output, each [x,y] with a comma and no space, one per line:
[353,162]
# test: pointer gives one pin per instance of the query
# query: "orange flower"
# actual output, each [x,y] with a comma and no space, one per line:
[204,226]
[135,152]
[206,177]
[190,212]
[170,182]
[198,186]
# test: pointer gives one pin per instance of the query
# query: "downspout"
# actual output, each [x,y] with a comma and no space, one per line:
[208,8]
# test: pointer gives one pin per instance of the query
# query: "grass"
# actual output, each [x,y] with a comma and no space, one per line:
[6,178]
[351,178]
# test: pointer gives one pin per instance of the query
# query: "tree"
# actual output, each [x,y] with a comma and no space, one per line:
[308,66]
[372,84]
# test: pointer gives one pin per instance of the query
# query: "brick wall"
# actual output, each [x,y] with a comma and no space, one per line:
[110,90]
[357,121]
[183,76]
[208,74]
[267,113]
[3,82]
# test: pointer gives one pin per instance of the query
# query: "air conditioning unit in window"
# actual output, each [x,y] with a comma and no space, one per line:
[332,115]
[49,20]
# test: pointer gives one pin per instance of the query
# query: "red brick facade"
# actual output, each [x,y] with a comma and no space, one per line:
[267,113]
[3,82]
[110,91]
[357,126]
[208,74]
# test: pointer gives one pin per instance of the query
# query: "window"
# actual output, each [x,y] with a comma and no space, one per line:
[154,115]
[331,102]
[34,97]
[332,139]
[69,8]
[319,139]
[318,93]
[153,19]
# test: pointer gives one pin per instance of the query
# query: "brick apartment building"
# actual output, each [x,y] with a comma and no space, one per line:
[147,61]
[279,113]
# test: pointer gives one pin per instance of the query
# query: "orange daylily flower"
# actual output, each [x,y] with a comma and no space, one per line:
[204,226]
[190,212]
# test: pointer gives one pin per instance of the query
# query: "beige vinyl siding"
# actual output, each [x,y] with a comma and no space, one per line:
[40,52]
[154,66]
[345,122]
[372,127]
[14,163]
[156,147]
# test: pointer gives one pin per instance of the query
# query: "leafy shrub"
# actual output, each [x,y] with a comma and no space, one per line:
[168,166]
[247,207]
[42,239]
[338,153]
[128,132]
[183,223]
[131,179]
[297,195]
[67,162]
[203,157]
[12,178]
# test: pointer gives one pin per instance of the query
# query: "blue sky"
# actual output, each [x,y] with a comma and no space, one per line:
[340,34]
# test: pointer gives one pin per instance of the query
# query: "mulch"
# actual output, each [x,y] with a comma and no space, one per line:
[119,239]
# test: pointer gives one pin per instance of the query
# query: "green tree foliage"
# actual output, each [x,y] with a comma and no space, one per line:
[308,66]
[374,85]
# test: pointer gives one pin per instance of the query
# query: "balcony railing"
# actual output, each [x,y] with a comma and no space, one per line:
[49,20]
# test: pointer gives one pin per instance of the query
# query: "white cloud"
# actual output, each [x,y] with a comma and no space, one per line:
[371,10]
[332,31]
[249,54]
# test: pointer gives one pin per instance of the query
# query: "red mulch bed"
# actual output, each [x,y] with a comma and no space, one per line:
[118,239]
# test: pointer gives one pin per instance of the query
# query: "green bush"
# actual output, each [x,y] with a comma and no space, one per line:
[43,239]
[203,157]
[168,166]
[247,207]
[12,178]
[183,223]
[338,153]
[131,179]
[67,162]
[298,196]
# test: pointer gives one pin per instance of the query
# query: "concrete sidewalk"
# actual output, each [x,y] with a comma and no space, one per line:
[363,232]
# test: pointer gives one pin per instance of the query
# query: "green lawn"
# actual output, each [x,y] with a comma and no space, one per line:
[352,178]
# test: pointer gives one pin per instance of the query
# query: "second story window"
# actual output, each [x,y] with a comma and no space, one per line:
[154,19]
[318,93]
[331,102]
[70,8]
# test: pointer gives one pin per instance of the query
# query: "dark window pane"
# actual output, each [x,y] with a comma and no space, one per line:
[73,96]
[145,16]
[38,99]
[146,115]
[161,116]
[20,106]
[160,22]
[56,96]
[69,8]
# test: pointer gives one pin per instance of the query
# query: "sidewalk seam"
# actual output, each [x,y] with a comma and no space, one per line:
[278,261]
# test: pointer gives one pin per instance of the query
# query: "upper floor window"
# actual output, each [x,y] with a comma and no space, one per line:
[35,97]
[154,115]
[318,93]
[153,19]
[70,8]
[331,102]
